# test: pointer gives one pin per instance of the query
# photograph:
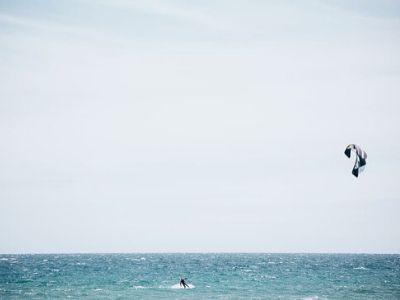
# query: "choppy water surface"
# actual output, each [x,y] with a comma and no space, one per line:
[213,276]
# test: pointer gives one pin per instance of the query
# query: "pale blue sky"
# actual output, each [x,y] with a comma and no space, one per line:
[135,126]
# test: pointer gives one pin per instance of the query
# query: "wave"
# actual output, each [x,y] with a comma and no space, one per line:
[139,287]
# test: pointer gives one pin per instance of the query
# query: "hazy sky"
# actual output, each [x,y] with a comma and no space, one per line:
[192,126]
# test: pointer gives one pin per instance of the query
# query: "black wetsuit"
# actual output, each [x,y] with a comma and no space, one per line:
[182,282]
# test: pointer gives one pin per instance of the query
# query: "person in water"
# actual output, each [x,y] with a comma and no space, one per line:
[183,283]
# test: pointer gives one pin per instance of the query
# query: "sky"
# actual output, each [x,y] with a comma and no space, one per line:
[199,126]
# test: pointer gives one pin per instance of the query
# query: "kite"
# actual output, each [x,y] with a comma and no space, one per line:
[361,157]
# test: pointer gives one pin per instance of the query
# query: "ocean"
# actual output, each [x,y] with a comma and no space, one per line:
[211,276]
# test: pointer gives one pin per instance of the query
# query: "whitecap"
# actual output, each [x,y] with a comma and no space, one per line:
[123,281]
[139,287]
[360,268]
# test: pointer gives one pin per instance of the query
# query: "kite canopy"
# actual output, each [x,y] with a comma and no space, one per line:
[361,157]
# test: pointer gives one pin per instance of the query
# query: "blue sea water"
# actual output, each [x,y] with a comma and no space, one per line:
[213,276]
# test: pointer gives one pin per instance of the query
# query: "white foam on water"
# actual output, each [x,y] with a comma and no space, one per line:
[136,259]
[247,270]
[177,286]
[139,287]
[360,268]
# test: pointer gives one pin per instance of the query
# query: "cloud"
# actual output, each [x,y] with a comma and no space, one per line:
[55,29]
[185,11]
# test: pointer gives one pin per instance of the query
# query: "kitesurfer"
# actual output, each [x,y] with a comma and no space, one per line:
[183,283]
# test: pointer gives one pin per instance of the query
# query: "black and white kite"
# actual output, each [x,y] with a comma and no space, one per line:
[361,157]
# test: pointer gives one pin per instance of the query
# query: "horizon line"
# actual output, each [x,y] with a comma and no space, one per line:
[206,252]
